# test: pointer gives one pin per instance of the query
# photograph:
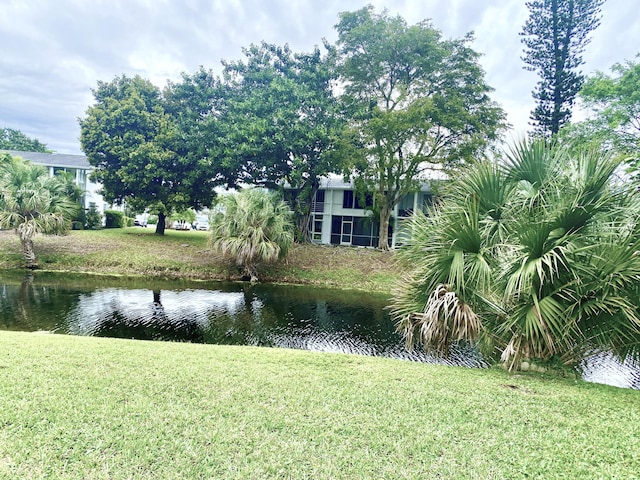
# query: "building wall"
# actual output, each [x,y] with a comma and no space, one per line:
[332,223]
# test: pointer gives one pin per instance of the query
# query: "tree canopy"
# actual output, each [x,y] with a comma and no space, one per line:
[555,36]
[282,120]
[409,101]
[11,139]
[137,152]
[415,102]
[614,102]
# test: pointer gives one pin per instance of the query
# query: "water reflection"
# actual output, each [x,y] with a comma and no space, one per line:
[261,315]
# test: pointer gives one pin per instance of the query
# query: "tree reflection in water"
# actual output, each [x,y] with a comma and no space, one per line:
[235,314]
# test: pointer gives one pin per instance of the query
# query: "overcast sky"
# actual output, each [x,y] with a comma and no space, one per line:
[53,52]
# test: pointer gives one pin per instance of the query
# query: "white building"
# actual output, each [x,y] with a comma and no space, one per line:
[339,218]
[75,164]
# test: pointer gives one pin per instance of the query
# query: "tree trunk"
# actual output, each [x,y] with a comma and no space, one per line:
[251,272]
[161,224]
[304,209]
[29,254]
[385,215]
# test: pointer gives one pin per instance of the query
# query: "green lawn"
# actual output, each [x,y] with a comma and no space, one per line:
[77,407]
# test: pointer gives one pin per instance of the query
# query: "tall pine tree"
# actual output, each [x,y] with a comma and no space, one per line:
[555,35]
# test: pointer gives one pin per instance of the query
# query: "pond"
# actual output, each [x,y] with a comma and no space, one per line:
[230,313]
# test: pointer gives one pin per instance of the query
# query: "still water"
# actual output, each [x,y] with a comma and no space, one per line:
[230,313]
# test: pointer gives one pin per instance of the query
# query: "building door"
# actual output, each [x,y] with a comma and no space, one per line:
[347,231]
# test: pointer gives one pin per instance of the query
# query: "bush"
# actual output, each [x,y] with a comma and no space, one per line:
[93,218]
[533,257]
[114,219]
[252,226]
[76,225]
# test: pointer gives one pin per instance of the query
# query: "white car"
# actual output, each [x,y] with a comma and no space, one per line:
[181,225]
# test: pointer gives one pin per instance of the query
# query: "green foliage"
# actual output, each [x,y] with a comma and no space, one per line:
[114,219]
[555,35]
[74,193]
[135,147]
[281,121]
[252,226]
[614,101]
[32,202]
[93,218]
[11,139]
[417,102]
[533,257]
[187,215]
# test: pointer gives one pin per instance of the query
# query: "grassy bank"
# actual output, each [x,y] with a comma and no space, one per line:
[138,252]
[78,407]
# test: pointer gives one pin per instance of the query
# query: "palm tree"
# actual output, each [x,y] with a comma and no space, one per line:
[251,226]
[32,202]
[535,257]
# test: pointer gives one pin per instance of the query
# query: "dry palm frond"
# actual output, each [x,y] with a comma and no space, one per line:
[445,320]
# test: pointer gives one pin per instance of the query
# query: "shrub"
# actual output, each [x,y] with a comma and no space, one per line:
[114,219]
[533,257]
[93,218]
[252,226]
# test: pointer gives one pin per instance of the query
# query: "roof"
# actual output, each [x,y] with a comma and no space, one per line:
[337,182]
[53,159]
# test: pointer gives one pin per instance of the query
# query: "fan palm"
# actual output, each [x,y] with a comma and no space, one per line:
[541,252]
[252,226]
[32,202]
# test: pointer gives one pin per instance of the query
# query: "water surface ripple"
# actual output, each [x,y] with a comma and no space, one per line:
[236,314]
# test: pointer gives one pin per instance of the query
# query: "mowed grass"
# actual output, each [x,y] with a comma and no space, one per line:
[79,407]
[138,251]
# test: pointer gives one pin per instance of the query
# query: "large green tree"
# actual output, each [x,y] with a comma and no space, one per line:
[555,36]
[11,139]
[137,151]
[196,104]
[416,102]
[32,202]
[533,258]
[614,102]
[281,121]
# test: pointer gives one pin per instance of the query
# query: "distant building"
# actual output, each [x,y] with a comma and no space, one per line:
[339,216]
[75,164]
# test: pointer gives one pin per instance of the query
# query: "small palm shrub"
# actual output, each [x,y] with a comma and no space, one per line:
[536,256]
[251,226]
[32,202]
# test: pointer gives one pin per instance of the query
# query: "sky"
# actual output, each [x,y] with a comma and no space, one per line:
[55,51]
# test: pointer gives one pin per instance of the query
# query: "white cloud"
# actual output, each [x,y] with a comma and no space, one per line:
[55,52]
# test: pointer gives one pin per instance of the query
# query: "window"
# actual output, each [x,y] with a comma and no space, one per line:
[368,201]
[315,228]
[405,206]
[318,202]
[351,199]
[341,230]
[347,199]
